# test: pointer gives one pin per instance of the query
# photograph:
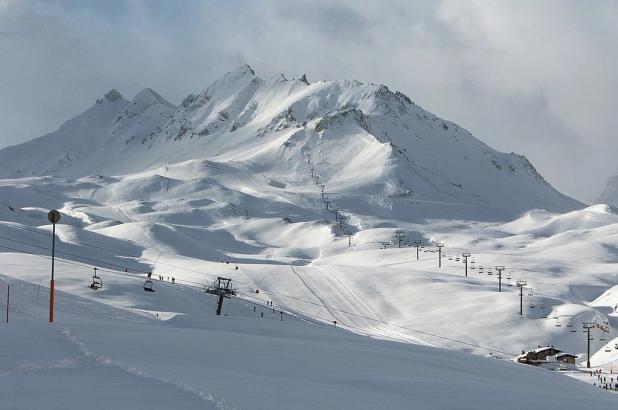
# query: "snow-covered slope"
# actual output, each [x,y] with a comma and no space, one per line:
[235,174]
[93,140]
[376,150]
[118,348]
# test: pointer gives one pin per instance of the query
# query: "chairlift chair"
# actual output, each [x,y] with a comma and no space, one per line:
[97,282]
[148,286]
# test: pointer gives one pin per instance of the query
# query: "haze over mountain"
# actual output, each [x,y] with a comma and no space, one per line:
[375,149]
[610,193]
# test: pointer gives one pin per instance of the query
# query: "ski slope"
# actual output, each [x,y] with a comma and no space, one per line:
[296,192]
[122,348]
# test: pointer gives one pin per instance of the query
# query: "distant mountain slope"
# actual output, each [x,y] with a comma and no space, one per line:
[377,150]
[610,193]
[95,140]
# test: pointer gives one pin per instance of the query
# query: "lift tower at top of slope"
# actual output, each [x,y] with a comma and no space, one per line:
[466,256]
[587,326]
[500,268]
[222,287]
[399,235]
[520,284]
[417,244]
[440,254]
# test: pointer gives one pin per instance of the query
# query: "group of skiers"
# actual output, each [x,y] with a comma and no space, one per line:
[162,278]
[603,382]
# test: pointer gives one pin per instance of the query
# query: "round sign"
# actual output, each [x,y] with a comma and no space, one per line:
[53,216]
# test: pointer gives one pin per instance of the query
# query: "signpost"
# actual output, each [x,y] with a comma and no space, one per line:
[54,217]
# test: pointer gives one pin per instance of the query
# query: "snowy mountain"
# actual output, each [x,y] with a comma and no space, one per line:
[610,193]
[235,174]
[375,150]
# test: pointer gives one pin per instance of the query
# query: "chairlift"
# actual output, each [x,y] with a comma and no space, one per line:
[508,276]
[558,324]
[148,286]
[602,338]
[569,324]
[97,282]
[608,349]
[573,331]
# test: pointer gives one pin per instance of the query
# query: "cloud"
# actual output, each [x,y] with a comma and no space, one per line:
[538,78]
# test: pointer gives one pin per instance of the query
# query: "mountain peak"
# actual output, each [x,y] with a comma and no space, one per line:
[149,96]
[242,71]
[113,95]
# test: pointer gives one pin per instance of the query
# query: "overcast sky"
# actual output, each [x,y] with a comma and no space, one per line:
[535,77]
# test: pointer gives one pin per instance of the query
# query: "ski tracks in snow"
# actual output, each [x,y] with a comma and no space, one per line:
[91,359]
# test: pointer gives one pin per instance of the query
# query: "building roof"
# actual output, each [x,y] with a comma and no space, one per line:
[542,349]
[566,354]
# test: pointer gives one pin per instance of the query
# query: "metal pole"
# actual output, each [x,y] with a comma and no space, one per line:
[521,300]
[439,255]
[499,268]
[521,284]
[51,283]
[588,326]
[219,305]
[8,301]
[466,256]
[588,363]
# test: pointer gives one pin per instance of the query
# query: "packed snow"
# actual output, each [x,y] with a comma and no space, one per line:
[297,192]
